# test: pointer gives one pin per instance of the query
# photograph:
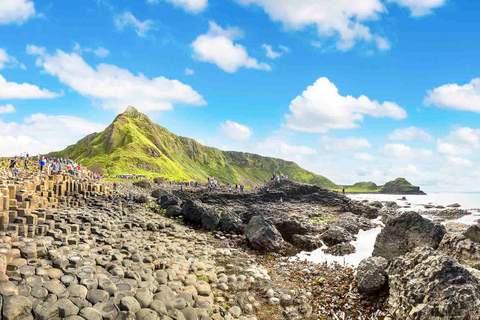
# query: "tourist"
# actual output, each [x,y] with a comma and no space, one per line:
[15,172]
[42,164]
[115,186]
[281,200]
[229,188]
[241,188]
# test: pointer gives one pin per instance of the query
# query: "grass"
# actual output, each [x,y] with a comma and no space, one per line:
[133,144]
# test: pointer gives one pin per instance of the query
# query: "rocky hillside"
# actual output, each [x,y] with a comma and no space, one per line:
[133,144]
[397,186]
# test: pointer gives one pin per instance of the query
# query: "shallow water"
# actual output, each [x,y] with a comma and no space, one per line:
[366,239]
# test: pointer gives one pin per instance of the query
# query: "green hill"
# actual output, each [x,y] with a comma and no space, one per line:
[133,144]
[397,186]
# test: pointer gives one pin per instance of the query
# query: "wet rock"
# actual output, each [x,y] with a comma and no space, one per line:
[454,205]
[353,223]
[426,284]
[262,234]
[462,249]
[306,242]
[361,209]
[405,232]
[449,213]
[230,222]
[335,235]
[340,249]
[372,276]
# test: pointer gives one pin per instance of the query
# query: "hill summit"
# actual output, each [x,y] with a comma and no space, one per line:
[133,144]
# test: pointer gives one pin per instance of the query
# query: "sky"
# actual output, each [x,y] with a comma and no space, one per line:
[353,90]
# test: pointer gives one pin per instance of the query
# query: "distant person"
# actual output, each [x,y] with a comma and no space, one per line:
[343,190]
[281,200]
[241,188]
[42,164]
[15,172]
[114,186]
[229,188]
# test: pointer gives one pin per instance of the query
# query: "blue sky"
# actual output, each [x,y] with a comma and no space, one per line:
[353,90]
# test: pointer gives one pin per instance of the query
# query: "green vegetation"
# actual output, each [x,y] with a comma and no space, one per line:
[133,144]
[397,186]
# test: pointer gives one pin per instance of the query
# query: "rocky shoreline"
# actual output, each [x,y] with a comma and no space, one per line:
[77,249]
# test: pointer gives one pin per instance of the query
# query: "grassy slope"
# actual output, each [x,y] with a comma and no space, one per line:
[360,187]
[132,144]
[400,185]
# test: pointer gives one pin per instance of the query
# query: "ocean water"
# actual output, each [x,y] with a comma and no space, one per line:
[366,239]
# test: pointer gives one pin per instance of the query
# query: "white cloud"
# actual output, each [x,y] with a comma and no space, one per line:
[217,46]
[399,150]
[7,61]
[235,131]
[410,133]
[277,147]
[284,48]
[101,52]
[189,72]
[317,44]
[7,109]
[127,19]
[453,96]
[346,144]
[321,108]
[39,133]
[13,90]
[366,157]
[16,11]
[194,6]
[270,53]
[460,141]
[115,88]
[343,20]
[460,161]
[420,7]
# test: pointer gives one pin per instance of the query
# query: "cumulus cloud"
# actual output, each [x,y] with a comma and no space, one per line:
[345,144]
[6,60]
[189,72]
[398,150]
[7,109]
[113,87]
[101,52]
[321,108]
[235,131]
[194,6]
[410,133]
[460,161]
[278,147]
[13,90]
[270,53]
[343,20]
[453,96]
[16,11]
[40,133]
[419,7]
[362,156]
[217,46]
[460,141]
[127,19]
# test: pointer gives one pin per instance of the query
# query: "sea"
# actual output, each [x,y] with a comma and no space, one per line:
[366,239]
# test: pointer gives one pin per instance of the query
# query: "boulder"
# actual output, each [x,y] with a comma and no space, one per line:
[230,222]
[141,199]
[157,193]
[427,284]
[361,209]
[405,232]
[16,307]
[454,205]
[353,223]
[145,183]
[473,233]
[262,234]
[372,276]
[335,235]
[210,219]
[462,249]
[288,226]
[174,211]
[198,213]
[306,241]
[169,200]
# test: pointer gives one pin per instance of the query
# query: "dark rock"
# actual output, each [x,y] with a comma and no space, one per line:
[473,233]
[157,193]
[141,199]
[145,183]
[361,209]
[335,235]
[426,284]
[462,249]
[210,219]
[288,226]
[263,235]
[449,213]
[230,222]
[340,249]
[306,242]
[198,213]
[353,223]
[170,200]
[454,205]
[405,232]
[372,276]
[174,211]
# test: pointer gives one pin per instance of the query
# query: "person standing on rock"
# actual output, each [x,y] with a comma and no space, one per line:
[42,164]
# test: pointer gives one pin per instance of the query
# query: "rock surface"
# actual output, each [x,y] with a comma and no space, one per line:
[372,276]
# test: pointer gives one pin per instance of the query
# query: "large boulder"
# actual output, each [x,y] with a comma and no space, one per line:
[230,222]
[353,223]
[141,199]
[198,213]
[361,209]
[288,226]
[306,241]
[372,275]
[405,232]
[427,284]
[462,249]
[157,193]
[174,211]
[473,233]
[169,200]
[145,183]
[262,234]
[335,235]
